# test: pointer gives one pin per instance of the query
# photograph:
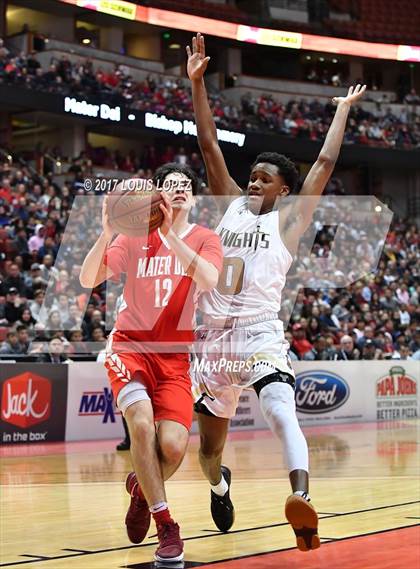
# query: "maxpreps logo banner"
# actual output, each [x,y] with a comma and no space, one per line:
[33,403]
[98,403]
[396,395]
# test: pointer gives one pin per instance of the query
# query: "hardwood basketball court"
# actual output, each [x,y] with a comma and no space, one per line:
[63,505]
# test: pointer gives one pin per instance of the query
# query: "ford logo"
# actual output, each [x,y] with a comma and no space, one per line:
[320,391]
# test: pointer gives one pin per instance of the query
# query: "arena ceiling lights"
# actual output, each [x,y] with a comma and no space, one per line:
[249,34]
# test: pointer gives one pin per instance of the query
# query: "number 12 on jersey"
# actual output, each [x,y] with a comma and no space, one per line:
[163,290]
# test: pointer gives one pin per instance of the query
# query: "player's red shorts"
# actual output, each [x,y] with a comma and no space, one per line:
[165,376]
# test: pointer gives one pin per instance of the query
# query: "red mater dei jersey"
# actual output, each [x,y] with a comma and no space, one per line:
[159,297]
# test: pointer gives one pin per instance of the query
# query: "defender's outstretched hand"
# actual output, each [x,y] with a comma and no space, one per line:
[353,95]
[197,60]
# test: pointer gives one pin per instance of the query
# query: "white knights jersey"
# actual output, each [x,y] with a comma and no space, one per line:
[255,265]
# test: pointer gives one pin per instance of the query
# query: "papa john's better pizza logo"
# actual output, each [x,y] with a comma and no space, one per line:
[26,400]
[396,384]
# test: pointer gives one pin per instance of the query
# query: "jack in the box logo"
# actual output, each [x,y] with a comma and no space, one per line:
[26,400]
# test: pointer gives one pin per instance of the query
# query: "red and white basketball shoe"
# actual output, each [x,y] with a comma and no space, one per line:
[138,516]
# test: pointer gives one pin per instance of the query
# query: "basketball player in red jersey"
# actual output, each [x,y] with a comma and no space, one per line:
[148,350]
[258,241]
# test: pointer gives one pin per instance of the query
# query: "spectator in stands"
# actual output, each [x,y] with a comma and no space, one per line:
[37,240]
[368,334]
[23,338]
[36,304]
[48,248]
[48,271]
[181,156]
[78,346]
[326,320]
[21,243]
[34,280]
[318,350]
[300,344]
[94,322]
[62,305]
[388,300]
[412,98]
[402,294]
[292,354]
[16,280]
[5,191]
[404,353]
[346,351]
[370,351]
[74,321]
[313,329]
[26,319]
[53,322]
[11,310]
[98,336]
[404,316]
[340,312]
[11,345]
[55,354]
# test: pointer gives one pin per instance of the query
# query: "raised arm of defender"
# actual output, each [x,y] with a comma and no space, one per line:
[315,182]
[219,179]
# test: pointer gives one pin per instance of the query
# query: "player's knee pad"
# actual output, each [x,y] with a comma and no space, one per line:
[277,404]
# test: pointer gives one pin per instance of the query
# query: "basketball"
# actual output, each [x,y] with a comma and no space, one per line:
[135,212]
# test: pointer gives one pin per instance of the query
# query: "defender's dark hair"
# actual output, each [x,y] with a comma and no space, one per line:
[285,167]
[166,169]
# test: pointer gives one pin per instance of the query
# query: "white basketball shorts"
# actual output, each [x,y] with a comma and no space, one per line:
[229,360]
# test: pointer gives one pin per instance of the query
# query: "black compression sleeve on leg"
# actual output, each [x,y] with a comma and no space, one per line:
[276,377]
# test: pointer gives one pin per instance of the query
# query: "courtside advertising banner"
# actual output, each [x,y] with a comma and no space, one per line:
[33,402]
[352,391]
[343,392]
[91,410]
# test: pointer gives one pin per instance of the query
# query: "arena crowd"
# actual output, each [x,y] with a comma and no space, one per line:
[306,119]
[376,317]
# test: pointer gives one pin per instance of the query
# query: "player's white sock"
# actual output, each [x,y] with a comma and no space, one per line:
[304,495]
[278,406]
[159,507]
[221,488]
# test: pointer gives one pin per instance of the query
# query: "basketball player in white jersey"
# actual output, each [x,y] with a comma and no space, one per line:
[241,316]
